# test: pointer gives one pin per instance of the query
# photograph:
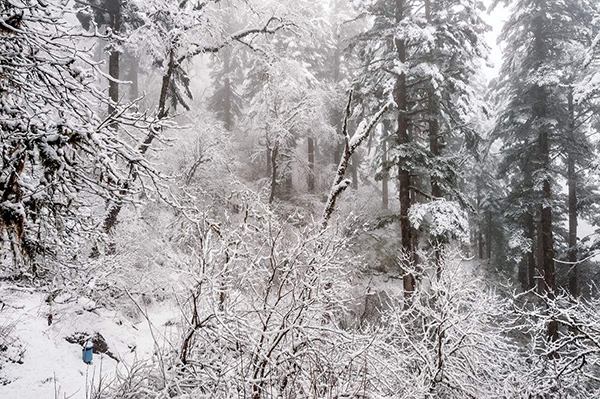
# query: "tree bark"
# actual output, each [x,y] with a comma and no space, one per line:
[113,93]
[479,239]
[539,108]
[547,242]
[434,145]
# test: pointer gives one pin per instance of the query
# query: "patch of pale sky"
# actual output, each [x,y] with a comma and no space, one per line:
[496,19]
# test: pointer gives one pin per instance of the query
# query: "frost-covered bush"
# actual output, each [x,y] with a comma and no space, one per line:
[451,342]
[563,366]
[263,320]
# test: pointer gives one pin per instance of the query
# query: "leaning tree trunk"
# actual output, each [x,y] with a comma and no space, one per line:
[340,183]
[113,212]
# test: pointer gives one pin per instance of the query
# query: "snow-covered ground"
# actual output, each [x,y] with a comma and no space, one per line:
[39,363]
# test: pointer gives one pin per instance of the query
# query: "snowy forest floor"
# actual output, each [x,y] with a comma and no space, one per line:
[38,362]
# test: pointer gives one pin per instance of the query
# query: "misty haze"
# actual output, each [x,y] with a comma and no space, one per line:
[294,199]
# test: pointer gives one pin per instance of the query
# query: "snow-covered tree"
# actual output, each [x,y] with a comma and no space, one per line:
[60,154]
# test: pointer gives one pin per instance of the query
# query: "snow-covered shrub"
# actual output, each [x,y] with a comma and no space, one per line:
[567,366]
[450,342]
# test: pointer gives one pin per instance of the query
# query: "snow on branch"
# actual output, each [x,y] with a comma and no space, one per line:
[350,146]
[268,28]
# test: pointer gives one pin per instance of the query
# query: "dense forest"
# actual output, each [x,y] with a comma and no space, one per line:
[299,199]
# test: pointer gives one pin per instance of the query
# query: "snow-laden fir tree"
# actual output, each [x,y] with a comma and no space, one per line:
[542,127]
[427,53]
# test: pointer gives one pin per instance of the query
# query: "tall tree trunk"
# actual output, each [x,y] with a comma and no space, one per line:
[400,96]
[114,58]
[337,58]
[480,242]
[113,93]
[134,91]
[547,243]
[539,107]
[338,150]
[572,187]
[311,165]
[530,231]
[385,199]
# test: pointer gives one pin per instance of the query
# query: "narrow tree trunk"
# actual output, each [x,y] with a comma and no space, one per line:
[488,236]
[385,199]
[572,187]
[354,171]
[311,165]
[539,251]
[337,153]
[547,240]
[268,160]
[114,59]
[480,243]
[479,239]
[273,160]
[529,264]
